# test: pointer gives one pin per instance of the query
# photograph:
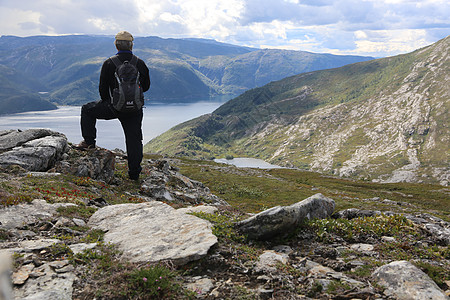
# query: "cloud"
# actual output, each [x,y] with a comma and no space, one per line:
[368,27]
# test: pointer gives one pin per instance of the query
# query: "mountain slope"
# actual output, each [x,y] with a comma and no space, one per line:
[19,93]
[383,120]
[179,68]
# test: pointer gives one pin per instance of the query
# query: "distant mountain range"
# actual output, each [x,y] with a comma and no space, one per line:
[384,120]
[67,68]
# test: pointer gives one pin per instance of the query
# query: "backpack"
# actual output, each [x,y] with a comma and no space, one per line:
[128,95]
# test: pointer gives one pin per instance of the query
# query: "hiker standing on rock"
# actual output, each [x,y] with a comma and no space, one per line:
[123,79]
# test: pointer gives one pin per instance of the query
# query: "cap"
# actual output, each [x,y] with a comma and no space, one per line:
[124,36]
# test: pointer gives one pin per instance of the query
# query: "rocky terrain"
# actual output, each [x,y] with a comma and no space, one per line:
[73,226]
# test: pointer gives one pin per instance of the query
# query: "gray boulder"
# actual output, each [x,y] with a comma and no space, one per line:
[154,231]
[404,281]
[47,282]
[98,164]
[281,219]
[164,183]
[14,138]
[33,149]
[17,216]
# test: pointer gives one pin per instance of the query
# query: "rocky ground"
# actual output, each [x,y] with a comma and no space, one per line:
[82,230]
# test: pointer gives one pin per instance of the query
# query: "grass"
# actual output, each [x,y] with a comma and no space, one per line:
[119,279]
[350,230]
[256,190]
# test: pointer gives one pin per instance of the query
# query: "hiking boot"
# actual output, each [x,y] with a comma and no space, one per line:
[134,177]
[84,146]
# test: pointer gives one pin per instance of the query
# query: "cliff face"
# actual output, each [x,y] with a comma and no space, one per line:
[384,120]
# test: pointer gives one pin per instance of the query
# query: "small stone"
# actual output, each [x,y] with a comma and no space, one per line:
[34,245]
[201,286]
[388,239]
[19,277]
[38,272]
[283,249]
[62,222]
[65,269]
[79,222]
[78,248]
[268,261]
[58,264]
[264,291]
[263,278]
[362,247]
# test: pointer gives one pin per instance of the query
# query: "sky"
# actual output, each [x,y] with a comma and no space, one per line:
[376,28]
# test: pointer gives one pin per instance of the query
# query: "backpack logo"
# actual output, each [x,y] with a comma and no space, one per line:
[128,95]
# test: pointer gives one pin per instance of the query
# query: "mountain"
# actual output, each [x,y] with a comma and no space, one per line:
[19,93]
[68,66]
[382,120]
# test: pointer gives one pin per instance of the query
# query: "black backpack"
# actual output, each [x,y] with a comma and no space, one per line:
[128,95]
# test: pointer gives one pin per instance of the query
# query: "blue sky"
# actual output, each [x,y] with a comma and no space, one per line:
[361,27]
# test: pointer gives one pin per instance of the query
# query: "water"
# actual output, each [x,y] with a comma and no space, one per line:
[158,118]
[246,162]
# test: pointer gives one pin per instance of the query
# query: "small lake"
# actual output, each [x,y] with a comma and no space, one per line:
[246,162]
[158,118]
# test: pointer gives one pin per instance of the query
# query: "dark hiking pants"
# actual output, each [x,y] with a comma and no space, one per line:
[132,128]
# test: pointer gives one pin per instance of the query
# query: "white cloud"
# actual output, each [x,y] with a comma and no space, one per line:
[365,27]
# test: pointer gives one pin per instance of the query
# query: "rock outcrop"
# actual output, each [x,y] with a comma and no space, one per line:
[163,182]
[404,281]
[154,231]
[98,164]
[278,220]
[33,149]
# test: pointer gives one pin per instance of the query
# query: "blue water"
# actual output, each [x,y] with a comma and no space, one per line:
[158,118]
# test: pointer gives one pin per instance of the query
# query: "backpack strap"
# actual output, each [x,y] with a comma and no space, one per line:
[116,60]
[134,60]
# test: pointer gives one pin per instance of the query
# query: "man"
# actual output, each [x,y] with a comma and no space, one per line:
[131,122]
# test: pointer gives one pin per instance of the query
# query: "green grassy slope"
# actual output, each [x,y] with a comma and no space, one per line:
[380,119]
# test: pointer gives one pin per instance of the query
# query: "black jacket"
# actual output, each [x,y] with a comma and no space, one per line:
[108,81]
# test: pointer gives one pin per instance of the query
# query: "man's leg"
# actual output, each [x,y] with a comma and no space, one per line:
[90,112]
[132,127]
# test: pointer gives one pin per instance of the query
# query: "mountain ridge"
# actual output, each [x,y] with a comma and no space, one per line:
[382,120]
[68,66]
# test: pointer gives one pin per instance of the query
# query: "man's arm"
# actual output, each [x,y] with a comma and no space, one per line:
[104,84]
[144,76]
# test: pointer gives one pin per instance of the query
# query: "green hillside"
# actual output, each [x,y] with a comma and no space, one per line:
[384,120]
[19,93]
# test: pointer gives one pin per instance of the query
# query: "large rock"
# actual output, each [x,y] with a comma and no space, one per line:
[281,219]
[154,231]
[17,216]
[98,164]
[48,283]
[164,183]
[33,149]
[13,138]
[404,281]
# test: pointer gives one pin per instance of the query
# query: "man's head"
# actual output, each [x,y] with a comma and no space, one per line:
[124,41]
